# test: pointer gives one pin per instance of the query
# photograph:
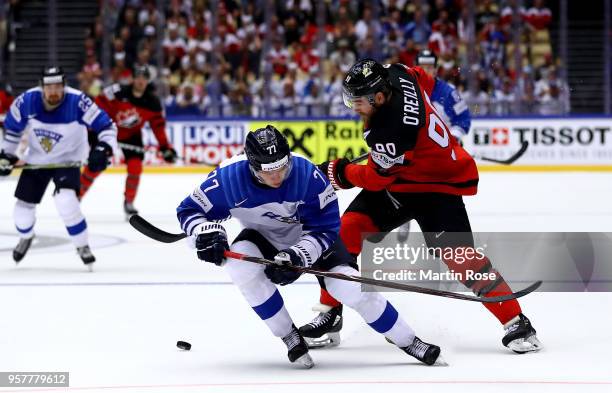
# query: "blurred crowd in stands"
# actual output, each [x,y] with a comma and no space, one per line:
[254,58]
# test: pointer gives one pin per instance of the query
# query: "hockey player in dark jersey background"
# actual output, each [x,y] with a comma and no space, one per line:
[416,170]
[131,107]
[449,105]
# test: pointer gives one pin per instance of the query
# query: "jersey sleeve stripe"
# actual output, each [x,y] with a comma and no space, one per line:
[189,229]
[91,114]
[11,138]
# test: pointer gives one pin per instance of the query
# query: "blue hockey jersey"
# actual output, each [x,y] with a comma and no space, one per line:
[59,135]
[453,109]
[302,213]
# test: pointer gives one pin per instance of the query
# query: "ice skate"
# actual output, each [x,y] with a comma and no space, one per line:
[129,209]
[425,352]
[21,249]
[298,349]
[324,330]
[520,335]
[87,257]
[403,231]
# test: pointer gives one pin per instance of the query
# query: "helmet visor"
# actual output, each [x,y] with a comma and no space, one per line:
[349,99]
[275,173]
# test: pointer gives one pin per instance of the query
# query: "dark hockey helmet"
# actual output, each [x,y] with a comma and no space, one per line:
[267,150]
[51,75]
[143,71]
[365,78]
[426,57]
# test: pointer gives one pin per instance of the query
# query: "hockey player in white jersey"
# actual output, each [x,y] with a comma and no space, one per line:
[290,214]
[55,119]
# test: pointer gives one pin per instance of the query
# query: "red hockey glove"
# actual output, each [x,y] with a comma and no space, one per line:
[334,170]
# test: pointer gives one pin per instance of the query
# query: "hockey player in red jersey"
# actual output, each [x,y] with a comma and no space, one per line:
[131,107]
[415,170]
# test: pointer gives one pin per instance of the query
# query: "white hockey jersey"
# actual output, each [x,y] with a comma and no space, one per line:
[59,135]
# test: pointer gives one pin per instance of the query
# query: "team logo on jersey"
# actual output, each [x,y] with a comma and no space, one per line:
[47,139]
[128,119]
[287,220]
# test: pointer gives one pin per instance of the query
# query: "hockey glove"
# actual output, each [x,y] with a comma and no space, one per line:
[280,274]
[334,170]
[169,154]
[7,161]
[211,243]
[98,157]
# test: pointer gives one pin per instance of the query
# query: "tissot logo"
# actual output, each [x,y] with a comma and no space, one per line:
[544,136]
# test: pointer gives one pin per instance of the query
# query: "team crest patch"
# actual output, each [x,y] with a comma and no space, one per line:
[366,70]
[47,139]
[128,118]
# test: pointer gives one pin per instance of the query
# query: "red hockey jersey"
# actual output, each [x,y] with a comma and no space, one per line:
[411,148]
[130,113]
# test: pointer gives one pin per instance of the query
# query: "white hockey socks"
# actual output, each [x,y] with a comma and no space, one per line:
[69,209]
[261,294]
[372,306]
[25,217]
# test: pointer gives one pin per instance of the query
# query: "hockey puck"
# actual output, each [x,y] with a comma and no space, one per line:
[183,345]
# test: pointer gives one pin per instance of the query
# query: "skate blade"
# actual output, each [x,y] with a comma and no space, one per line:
[440,362]
[327,340]
[89,267]
[305,361]
[525,345]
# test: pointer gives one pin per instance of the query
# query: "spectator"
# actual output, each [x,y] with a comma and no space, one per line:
[504,99]
[278,57]
[186,102]
[367,26]
[313,104]
[418,30]
[408,55]
[539,16]
[120,73]
[343,57]
[174,44]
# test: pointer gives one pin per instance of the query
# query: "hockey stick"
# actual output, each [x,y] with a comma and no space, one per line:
[70,164]
[139,149]
[510,160]
[127,146]
[148,229]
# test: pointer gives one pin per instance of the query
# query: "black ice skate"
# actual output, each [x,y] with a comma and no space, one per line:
[298,349]
[425,352]
[21,249]
[324,330]
[520,336]
[86,256]
[403,231]
[129,209]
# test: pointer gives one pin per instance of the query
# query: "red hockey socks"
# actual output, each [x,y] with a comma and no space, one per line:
[87,179]
[497,286]
[134,169]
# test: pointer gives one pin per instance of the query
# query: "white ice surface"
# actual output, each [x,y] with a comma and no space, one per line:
[115,329]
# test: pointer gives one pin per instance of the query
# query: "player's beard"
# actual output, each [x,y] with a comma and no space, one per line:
[53,101]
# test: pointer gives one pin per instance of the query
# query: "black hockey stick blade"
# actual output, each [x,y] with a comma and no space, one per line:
[150,230]
[509,160]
